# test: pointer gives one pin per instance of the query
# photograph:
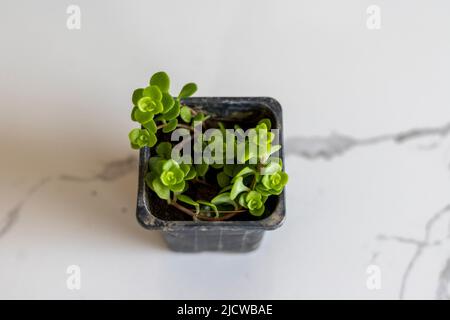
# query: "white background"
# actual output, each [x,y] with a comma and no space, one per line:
[65,104]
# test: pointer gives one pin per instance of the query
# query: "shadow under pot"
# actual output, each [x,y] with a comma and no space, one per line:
[243,232]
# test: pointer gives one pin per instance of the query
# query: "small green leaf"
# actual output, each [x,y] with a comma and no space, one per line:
[167,101]
[172,113]
[188,200]
[238,187]
[217,165]
[244,172]
[227,188]
[224,198]
[185,167]
[137,94]
[142,117]
[267,123]
[152,140]
[155,164]
[191,174]
[150,126]
[241,200]
[149,177]
[179,187]
[222,179]
[188,90]
[164,150]
[258,211]
[152,92]
[271,168]
[201,169]
[133,114]
[160,79]
[228,169]
[199,117]
[161,190]
[186,114]
[140,138]
[274,149]
[210,205]
[170,126]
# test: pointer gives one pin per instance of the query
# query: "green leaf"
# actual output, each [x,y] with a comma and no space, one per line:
[155,164]
[133,114]
[227,188]
[201,169]
[267,122]
[257,212]
[185,114]
[217,165]
[222,179]
[160,79]
[172,113]
[241,200]
[167,101]
[188,90]
[164,150]
[271,168]
[238,187]
[179,187]
[152,139]
[169,164]
[150,126]
[274,149]
[149,177]
[244,172]
[161,190]
[228,169]
[170,126]
[142,117]
[199,117]
[224,198]
[188,200]
[185,167]
[140,138]
[152,92]
[211,205]
[191,174]
[137,94]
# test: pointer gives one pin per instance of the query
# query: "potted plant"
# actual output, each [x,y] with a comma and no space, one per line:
[211,169]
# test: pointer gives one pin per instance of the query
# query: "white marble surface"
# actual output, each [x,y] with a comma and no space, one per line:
[367,139]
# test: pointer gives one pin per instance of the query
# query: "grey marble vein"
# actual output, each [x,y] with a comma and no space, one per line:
[420,245]
[111,171]
[328,147]
[12,216]
[442,291]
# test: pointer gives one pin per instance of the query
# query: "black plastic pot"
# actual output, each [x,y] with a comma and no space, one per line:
[243,233]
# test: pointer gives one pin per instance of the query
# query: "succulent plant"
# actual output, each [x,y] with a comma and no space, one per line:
[242,181]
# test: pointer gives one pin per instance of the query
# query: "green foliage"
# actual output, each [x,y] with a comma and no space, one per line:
[243,186]
[161,80]
[140,138]
[186,114]
[184,198]
[253,201]
[188,90]
[222,179]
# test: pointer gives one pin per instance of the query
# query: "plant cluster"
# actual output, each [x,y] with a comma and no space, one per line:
[241,184]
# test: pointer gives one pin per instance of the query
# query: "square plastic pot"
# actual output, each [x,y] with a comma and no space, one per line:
[243,234]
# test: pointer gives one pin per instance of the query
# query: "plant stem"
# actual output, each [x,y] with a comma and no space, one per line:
[197,180]
[229,214]
[185,126]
